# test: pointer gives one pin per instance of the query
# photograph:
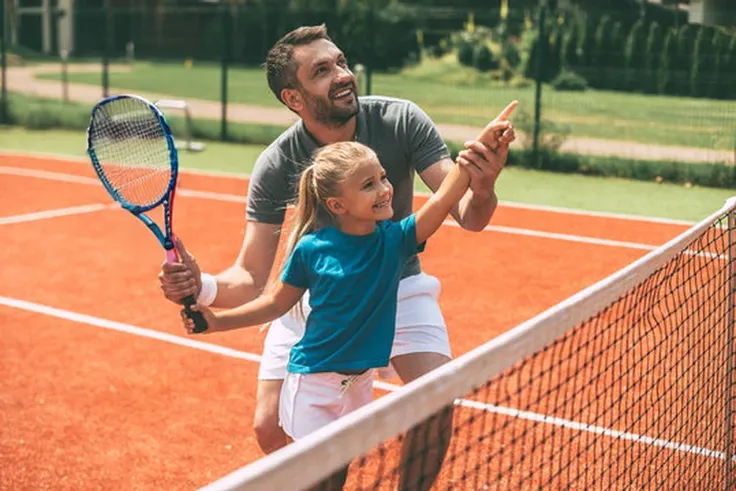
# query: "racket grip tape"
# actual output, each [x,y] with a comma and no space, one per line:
[200,324]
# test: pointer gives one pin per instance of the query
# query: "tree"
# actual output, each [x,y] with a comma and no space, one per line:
[652,57]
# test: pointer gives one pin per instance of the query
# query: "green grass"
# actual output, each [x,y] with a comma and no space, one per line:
[220,157]
[472,100]
[518,185]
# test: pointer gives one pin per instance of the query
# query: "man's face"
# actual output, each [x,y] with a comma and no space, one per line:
[327,86]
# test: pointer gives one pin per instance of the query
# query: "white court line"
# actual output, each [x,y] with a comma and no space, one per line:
[234,198]
[243,355]
[558,236]
[510,204]
[59,212]
[45,174]
[126,328]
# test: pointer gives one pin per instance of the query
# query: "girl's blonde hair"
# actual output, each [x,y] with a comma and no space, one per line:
[331,165]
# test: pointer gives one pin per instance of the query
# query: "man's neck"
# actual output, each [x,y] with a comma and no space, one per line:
[326,134]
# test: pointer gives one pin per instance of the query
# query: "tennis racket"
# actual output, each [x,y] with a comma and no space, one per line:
[133,153]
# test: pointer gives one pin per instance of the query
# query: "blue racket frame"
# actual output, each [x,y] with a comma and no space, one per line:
[167,200]
[165,238]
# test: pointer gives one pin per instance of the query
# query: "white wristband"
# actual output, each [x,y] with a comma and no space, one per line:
[208,292]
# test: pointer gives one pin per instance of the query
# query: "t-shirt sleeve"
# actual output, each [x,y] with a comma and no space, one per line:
[426,146]
[407,236]
[269,190]
[295,268]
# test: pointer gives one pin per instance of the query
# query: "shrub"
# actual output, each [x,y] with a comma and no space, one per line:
[511,55]
[465,53]
[568,80]
[483,59]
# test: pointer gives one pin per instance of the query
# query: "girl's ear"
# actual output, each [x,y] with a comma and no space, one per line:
[335,206]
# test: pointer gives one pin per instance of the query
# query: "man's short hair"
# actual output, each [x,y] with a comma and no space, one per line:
[280,65]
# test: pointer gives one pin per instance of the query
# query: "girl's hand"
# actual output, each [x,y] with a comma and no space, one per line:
[209,316]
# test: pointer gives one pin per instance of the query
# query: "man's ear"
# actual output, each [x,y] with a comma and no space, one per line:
[335,206]
[293,99]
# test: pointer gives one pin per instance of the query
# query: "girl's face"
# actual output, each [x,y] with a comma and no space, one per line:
[365,195]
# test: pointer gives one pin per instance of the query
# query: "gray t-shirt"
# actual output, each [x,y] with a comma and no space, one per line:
[402,135]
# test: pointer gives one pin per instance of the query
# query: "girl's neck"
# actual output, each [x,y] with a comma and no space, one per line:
[353,226]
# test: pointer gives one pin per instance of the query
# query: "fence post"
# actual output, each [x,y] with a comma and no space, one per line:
[225,50]
[106,49]
[3,66]
[541,51]
[371,27]
[64,75]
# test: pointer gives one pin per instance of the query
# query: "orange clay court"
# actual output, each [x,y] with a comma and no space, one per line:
[101,386]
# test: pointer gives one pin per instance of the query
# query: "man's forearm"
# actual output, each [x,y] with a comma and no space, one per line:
[235,286]
[476,212]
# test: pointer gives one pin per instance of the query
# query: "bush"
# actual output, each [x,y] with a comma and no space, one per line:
[465,53]
[483,59]
[717,175]
[511,55]
[570,81]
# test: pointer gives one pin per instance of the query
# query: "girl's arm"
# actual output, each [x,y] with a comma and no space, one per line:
[267,307]
[431,215]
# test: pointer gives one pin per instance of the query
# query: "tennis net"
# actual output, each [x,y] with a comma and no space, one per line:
[626,385]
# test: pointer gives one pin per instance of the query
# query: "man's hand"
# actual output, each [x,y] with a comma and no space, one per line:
[182,278]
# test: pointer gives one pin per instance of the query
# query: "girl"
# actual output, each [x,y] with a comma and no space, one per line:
[351,270]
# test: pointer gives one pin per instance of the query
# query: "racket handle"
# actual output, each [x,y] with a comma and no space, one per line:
[200,324]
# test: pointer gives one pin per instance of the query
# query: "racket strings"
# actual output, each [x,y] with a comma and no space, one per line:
[132,151]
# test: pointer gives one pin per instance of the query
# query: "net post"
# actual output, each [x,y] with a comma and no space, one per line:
[728,450]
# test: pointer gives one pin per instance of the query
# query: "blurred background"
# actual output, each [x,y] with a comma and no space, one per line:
[621,88]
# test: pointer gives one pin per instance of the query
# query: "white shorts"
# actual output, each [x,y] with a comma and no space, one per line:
[310,401]
[420,328]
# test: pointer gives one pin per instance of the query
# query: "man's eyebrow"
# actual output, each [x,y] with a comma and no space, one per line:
[319,63]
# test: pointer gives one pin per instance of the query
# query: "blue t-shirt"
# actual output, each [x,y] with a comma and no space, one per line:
[353,282]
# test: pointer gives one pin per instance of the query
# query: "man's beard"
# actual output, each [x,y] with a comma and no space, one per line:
[328,113]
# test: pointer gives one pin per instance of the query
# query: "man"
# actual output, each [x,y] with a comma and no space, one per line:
[309,74]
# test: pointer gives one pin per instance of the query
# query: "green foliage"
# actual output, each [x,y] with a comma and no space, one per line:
[652,57]
[599,53]
[683,60]
[634,57]
[483,59]
[615,59]
[702,47]
[569,81]
[717,89]
[465,52]
[511,55]
[715,175]
[553,61]
[665,69]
